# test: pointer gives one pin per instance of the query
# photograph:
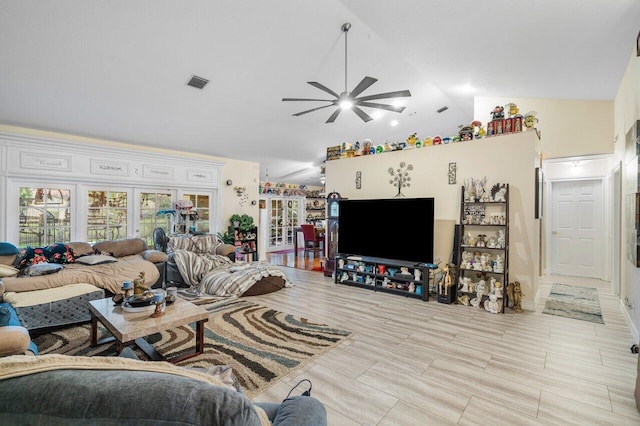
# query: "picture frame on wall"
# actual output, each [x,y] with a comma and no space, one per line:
[539,185]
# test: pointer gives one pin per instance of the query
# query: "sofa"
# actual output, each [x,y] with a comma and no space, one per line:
[105,265]
[66,390]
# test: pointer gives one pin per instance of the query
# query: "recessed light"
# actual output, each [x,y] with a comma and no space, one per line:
[394,123]
[466,89]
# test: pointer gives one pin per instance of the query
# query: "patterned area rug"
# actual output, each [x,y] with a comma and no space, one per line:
[260,344]
[569,301]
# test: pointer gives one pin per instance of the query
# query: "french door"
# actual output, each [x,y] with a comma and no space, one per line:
[283,218]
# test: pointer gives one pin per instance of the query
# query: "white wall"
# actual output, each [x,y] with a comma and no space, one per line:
[505,159]
[626,111]
[568,127]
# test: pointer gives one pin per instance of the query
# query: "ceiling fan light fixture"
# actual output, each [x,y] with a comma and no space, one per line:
[352,100]
[345,103]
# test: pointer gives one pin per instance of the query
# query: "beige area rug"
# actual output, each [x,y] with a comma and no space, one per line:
[260,344]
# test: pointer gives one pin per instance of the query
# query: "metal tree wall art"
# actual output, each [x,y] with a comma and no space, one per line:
[401,177]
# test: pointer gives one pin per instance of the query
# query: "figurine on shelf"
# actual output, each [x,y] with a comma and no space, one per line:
[341,263]
[465,132]
[498,266]
[463,300]
[492,242]
[479,187]
[368,280]
[501,239]
[417,274]
[517,296]
[485,264]
[497,289]
[481,241]
[499,193]
[513,109]
[497,113]
[475,302]
[464,284]
[481,289]
[530,120]
[479,130]
[344,277]
[412,288]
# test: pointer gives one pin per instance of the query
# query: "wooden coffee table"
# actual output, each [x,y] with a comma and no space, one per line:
[128,328]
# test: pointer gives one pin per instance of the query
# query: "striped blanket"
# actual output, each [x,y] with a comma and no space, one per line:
[235,280]
[218,276]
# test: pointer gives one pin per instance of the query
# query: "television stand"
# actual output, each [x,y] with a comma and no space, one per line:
[399,277]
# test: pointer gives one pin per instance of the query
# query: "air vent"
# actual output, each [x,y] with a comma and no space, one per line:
[443,109]
[197,82]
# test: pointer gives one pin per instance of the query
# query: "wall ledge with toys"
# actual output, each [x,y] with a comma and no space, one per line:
[498,126]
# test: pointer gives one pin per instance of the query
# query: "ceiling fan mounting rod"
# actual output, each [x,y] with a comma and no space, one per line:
[345,28]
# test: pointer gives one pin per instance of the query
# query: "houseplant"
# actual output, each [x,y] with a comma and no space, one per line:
[243,222]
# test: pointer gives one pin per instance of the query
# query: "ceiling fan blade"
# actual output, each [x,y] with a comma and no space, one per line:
[305,99]
[365,117]
[310,110]
[323,88]
[381,106]
[362,86]
[398,94]
[334,116]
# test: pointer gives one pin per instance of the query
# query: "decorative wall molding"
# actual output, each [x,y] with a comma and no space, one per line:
[157,172]
[111,168]
[200,175]
[29,160]
[38,157]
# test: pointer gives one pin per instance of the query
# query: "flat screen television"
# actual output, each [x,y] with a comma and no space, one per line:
[398,228]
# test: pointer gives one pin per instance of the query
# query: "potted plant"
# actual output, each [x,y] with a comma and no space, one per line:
[243,222]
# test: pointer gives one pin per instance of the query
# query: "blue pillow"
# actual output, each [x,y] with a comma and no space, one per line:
[5,316]
[7,249]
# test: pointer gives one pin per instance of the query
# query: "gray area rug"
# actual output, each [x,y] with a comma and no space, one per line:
[579,303]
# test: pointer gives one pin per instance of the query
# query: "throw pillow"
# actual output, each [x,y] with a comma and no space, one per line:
[59,253]
[7,249]
[96,259]
[8,271]
[29,256]
[42,269]
[5,316]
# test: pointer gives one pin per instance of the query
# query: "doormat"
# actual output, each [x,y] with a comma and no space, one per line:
[260,344]
[574,302]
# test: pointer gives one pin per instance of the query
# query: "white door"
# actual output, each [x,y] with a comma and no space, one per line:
[577,228]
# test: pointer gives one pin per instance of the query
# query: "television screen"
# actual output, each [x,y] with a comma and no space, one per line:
[399,228]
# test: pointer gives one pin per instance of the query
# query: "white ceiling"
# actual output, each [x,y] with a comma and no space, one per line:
[117,69]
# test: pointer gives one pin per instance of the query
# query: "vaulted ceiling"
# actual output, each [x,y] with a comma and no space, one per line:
[117,70]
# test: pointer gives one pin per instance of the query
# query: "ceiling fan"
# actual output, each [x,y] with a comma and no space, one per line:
[350,100]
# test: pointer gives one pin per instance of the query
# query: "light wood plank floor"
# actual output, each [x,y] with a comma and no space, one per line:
[410,362]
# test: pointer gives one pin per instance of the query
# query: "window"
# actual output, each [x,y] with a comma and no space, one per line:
[45,216]
[150,204]
[201,204]
[106,215]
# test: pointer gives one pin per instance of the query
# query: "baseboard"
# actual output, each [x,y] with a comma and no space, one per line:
[632,327]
